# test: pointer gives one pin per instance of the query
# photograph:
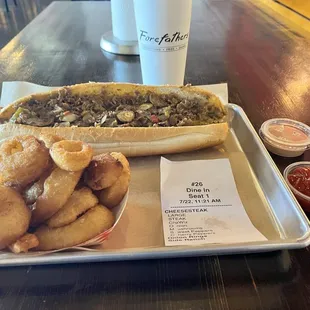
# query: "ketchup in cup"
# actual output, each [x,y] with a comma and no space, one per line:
[297,176]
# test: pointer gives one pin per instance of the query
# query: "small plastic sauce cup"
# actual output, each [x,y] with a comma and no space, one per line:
[297,176]
[285,137]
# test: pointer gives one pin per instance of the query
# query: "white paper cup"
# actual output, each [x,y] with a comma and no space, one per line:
[123,20]
[163,32]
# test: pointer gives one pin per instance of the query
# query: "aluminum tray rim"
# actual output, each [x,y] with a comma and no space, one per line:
[306,237]
[152,253]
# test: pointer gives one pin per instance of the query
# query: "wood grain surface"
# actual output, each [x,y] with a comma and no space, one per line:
[264,58]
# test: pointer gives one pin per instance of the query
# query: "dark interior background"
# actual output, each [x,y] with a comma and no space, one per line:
[18,17]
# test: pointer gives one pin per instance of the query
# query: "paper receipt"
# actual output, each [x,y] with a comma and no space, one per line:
[201,204]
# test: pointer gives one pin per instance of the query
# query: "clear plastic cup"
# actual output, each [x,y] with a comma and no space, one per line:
[285,137]
[302,198]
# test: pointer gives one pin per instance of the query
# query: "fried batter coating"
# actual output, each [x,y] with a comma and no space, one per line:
[114,194]
[71,155]
[14,216]
[95,221]
[103,171]
[33,191]
[22,160]
[58,187]
[80,201]
[49,139]
[24,243]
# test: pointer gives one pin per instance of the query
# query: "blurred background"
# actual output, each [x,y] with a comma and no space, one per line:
[16,14]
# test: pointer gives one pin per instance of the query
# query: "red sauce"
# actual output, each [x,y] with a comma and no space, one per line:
[299,178]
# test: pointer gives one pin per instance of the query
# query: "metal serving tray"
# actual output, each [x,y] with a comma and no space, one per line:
[267,199]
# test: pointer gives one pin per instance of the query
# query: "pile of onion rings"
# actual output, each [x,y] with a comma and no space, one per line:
[55,194]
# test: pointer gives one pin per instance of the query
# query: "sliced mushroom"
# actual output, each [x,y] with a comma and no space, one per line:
[145,106]
[125,116]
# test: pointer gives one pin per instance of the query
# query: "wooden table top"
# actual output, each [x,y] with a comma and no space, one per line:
[264,59]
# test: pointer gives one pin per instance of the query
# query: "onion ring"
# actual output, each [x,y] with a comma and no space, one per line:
[79,202]
[50,139]
[23,160]
[14,216]
[103,171]
[58,187]
[71,155]
[113,195]
[95,221]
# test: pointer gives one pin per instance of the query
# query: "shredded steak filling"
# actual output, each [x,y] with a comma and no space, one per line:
[141,110]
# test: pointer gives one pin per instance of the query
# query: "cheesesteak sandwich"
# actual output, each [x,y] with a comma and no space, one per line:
[136,120]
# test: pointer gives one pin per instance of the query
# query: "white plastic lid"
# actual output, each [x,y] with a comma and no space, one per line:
[285,133]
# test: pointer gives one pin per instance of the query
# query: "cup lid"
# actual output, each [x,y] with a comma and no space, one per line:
[286,133]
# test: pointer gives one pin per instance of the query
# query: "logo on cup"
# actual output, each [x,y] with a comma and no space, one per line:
[177,37]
